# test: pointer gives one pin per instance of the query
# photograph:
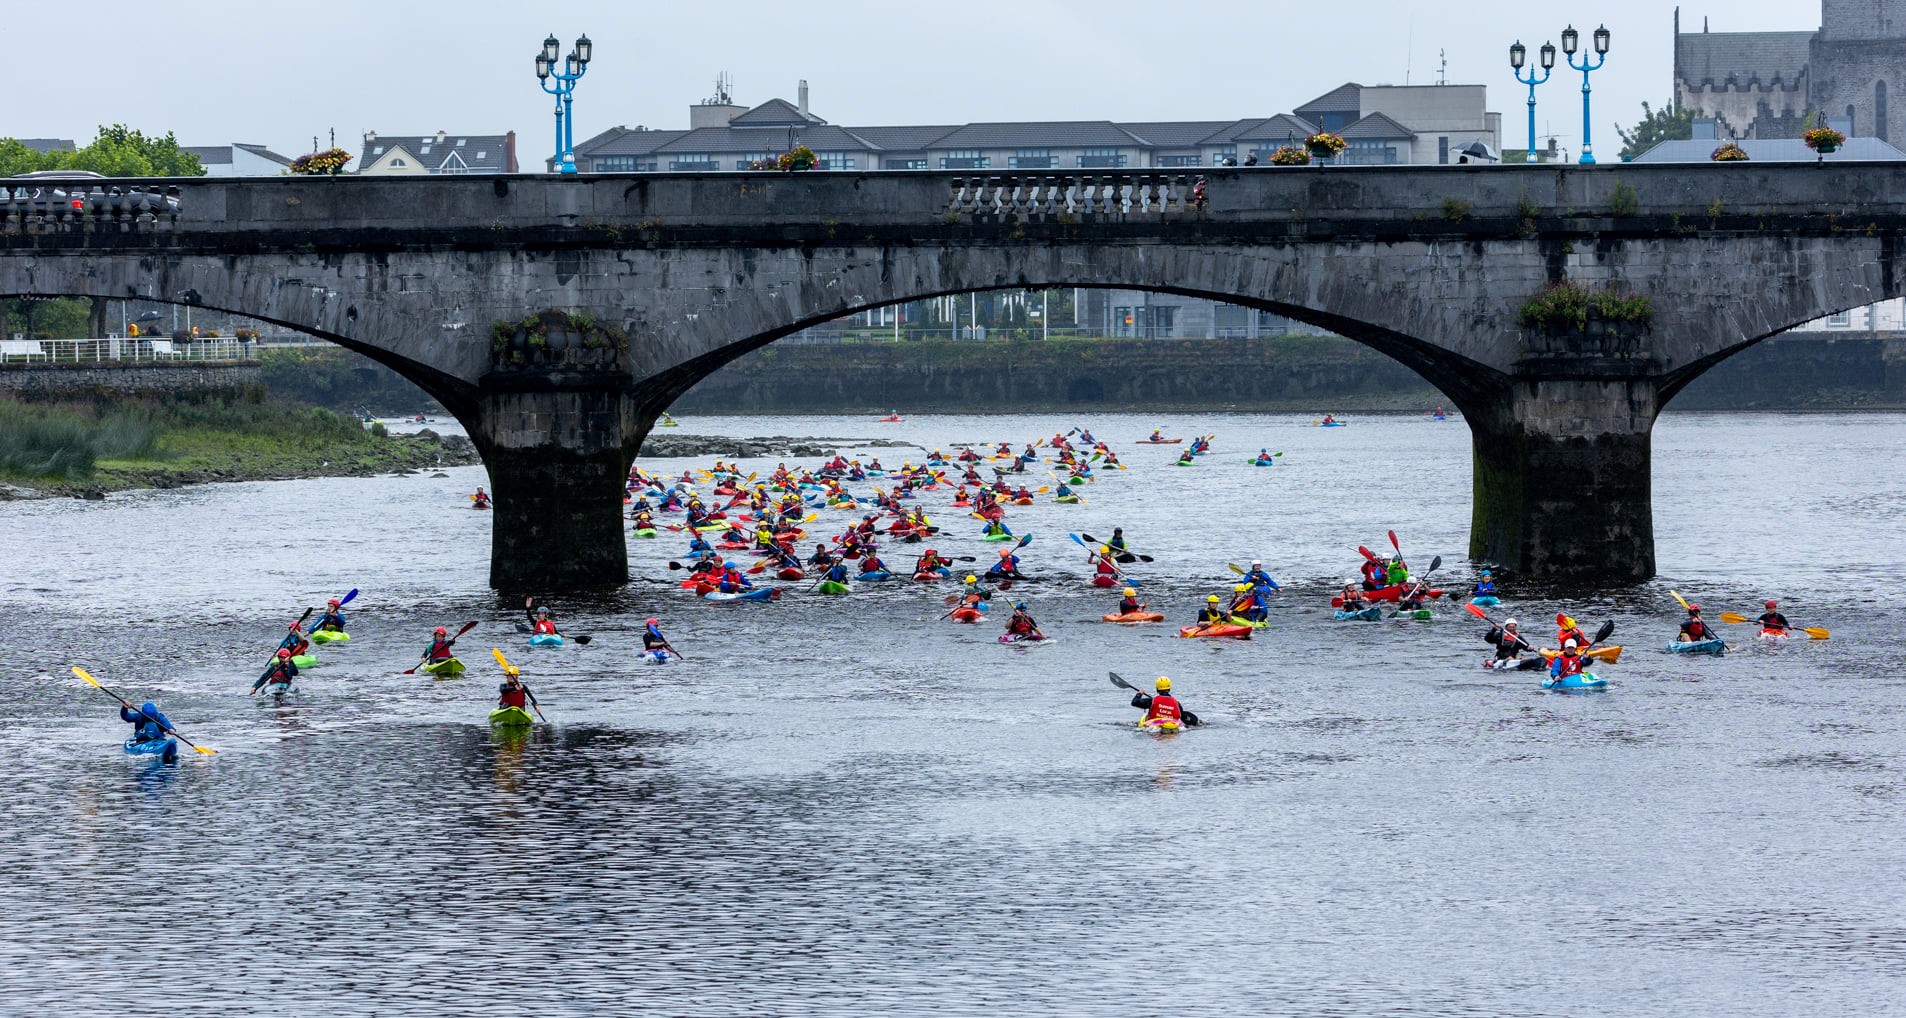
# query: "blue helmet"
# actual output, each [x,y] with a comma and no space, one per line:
[1019,606]
[149,709]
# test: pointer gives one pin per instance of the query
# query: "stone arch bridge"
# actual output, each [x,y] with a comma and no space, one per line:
[557,318]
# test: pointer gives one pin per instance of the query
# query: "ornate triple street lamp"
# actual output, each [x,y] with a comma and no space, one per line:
[1571,40]
[1518,56]
[561,83]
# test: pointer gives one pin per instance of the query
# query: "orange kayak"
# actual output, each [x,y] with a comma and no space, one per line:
[1135,617]
[1216,629]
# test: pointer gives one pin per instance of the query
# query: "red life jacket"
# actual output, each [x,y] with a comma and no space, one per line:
[1563,636]
[1165,708]
[1697,630]
[1106,567]
[439,650]
[1019,624]
[1129,605]
[1571,665]
[517,697]
[544,626]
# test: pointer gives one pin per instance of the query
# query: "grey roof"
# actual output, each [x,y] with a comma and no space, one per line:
[1278,128]
[1178,133]
[49,144]
[263,153]
[1773,150]
[221,155]
[774,113]
[751,141]
[1042,134]
[1745,56]
[621,141]
[902,139]
[1346,98]
[430,152]
[1376,126]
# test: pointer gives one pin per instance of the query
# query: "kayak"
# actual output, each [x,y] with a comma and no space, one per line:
[1607,653]
[1239,620]
[1158,441]
[1078,479]
[831,587]
[1022,501]
[1262,463]
[1370,614]
[1135,617]
[658,656]
[1025,638]
[763,594]
[279,688]
[1485,601]
[479,505]
[305,660]
[873,577]
[1105,580]
[1512,664]
[1715,646]
[448,668]
[330,636]
[998,537]
[1184,463]
[1066,499]
[931,576]
[511,716]
[967,615]
[1216,629]
[1569,683]
[645,532]
[166,749]
[1331,424]
[546,640]
[792,573]
[1159,726]
[1773,635]
[732,545]
[1417,614]
[1391,593]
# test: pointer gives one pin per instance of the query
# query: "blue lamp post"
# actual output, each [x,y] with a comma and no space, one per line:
[1570,41]
[563,88]
[1519,55]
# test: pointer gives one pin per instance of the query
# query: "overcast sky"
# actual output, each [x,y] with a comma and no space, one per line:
[219,71]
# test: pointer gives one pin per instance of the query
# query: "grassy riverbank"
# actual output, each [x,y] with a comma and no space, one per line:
[79,447]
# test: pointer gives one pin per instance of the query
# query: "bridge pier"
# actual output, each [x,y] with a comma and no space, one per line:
[1562,480]
[558,452]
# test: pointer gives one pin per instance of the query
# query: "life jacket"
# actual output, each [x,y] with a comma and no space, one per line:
[1106,567]
[1019,624]
[1566,665]
[1563,636]
[1696,630]
[544,626]
[1128,605]
[512,697]
[1773,620]
[1165,708]
[439,651]
[1373,571]
[1211,614]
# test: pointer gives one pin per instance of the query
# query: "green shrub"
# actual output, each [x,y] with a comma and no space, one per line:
[1564,308]
[51,442]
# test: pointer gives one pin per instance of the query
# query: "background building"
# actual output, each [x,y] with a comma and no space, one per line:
[239,160]
[1765,84]
[437,153]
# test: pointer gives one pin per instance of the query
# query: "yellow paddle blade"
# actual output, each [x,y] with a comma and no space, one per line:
[81,672]
[1678,597]
[500,659]
[1734,618]
[1817,632]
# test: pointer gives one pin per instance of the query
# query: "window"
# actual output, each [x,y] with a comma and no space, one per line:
[460,142]
[693,161]
[1442,149]
[1334,121]
[398,162]
[1365,152]
[1101,159]
[1032,159]
[1180,161]
[904,164]
[965,159]
[1843,320]
[481,153]
[747,162]
[614,164]
[832,161]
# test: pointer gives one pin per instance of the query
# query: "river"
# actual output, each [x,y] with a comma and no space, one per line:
[841,806]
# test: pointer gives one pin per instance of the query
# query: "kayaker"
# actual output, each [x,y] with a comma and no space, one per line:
[481,499]
[541,624]
[1184,459]
[1158,435]
[1024,494]
[281,672]
[870,563]
[1328,419]
[1567,629]
[836,573]
[1351,600]
[1129,603]
[1250,604]
[1162,706]
[1771,621]
[1693,630]
[295,641]
[1486,586]
[652,638]
[820,558]
[732,581]
[997,528]
[931,562]
[644,520]
[1102,562]
[1375,576]
[513,692]
[440,646]
[1257,577]
[1569,662]
[1021,624]
[332,621]
[1264,455]
[1507,640]
[698,545]
[148,724]
[1412,597]
[1396,571]
[1213,612]
[1006,568]
[1062,491]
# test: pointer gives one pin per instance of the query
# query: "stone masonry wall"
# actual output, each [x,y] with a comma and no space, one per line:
[144,379]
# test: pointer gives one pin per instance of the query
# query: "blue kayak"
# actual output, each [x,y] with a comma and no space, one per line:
[878,574]
[165,748]
[761,594]
[1370,614]
[546,640]
[658,656]
[1331,424]
[1715,646]
[1485,600]
[1569,683]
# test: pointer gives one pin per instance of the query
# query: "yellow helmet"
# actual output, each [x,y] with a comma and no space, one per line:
[511,671]
[1131,592]
[1213,599]
[1106,549]
[1162,684]
[970,578]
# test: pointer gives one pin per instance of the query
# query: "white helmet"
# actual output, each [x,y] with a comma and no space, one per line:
[1510,624]
[1255,563]
[1569,645]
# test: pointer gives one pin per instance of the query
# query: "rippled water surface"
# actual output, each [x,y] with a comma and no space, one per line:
[843,806]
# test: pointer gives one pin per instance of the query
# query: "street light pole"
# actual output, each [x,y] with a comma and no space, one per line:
[1518,55]
[1570,41]
[561,83]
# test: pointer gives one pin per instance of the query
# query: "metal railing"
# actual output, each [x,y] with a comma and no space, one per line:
[1034,194]
[123,351]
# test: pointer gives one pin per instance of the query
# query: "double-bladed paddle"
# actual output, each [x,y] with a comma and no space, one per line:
[81,672]
[1816,632]
[511,669]
[1190,718]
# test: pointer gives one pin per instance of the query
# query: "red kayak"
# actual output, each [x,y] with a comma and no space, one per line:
[1104,580]
[792,573]
[967,615]
[732,545]
[1158,441]
[1394,593]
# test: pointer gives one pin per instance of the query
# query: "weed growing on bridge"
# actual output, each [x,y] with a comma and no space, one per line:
[1526,208]
[1455,210]
[1624,200]
[1565,306]
[1714,209]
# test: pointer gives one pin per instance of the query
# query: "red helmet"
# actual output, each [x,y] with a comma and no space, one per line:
[1772,604]
[294,627]
[653,622]
[284,652]
[333,602]
[1005,553]
[442,631]
[1694,609]
[930,551]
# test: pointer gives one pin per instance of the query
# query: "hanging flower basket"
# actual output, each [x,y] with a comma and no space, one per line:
[1823,139]
[1286,155]
[1729,153]
[798,158]
[1325,145]
[329,163]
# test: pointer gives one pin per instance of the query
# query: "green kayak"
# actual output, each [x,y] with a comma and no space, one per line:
[831,587]
[305,660]
[645,532]
[1419,614]
[448,668]
[1066,499]
[330,636]
[1076,481]
[511,716]
[998,537]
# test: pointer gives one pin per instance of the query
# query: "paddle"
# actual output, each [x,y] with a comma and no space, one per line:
[1479,613]
[1241,571]
[1190,718]
[1141,558]
[81,672]
[508,668]
[581,639]
[1816,632]
[412,670]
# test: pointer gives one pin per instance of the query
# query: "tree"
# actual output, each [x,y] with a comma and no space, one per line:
[118,151]
[1670,123]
